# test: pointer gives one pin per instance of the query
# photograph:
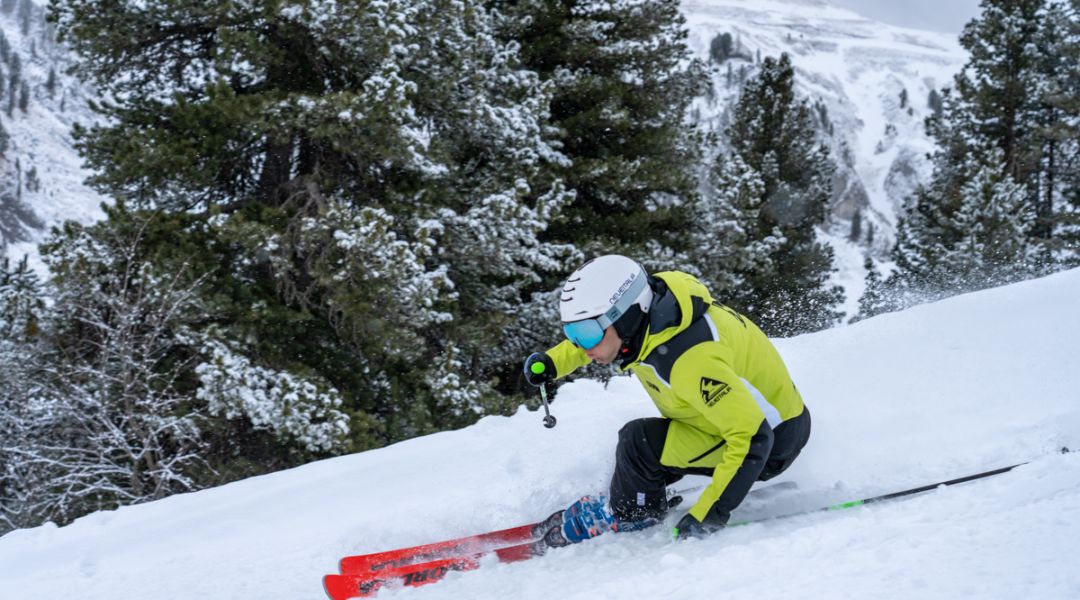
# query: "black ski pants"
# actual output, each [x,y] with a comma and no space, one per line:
[639,484]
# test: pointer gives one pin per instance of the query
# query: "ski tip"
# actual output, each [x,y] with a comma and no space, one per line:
[332,586]
[354,564]
[341,587]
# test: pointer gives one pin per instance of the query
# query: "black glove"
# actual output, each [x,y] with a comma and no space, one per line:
[539,369]
[690,527]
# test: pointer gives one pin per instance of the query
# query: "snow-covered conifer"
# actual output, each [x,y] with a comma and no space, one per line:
[22,307]
[726,247]
[980,238]
[622,79]
[1058,205]
[993,222]
[874,300]
[772,138]
[386,180]
[1007,111]
[301,409]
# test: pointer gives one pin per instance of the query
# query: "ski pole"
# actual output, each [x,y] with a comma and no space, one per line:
[929,487]
[549,421]
[902,493]
[538,368]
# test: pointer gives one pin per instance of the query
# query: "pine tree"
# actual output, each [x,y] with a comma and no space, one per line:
[22,305]
[727,245]
[772,139]
[16,70]
[999,116]
[24,96]
[33,181]
[26,14]
[999,87]
[376,176]
[721,48]
[935,103]
[981,239]
[1058,207]
[5,139]
[995,220]
[622,79]
[21,301]
[874,300]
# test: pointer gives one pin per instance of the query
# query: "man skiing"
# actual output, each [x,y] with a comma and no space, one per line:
[729,408]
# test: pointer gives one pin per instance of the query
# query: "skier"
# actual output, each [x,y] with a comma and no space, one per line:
[729,408]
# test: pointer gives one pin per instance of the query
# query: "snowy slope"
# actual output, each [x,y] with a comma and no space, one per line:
[41,141]
[939,391]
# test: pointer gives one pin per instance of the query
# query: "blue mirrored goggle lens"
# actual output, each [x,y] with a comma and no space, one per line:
[586,334]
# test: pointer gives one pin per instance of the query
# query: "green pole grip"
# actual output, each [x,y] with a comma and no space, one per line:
[538,368]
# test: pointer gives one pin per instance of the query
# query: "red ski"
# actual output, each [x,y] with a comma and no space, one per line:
[455,548]
[367,584]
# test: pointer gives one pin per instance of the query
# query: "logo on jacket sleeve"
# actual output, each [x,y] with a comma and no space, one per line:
[712,390]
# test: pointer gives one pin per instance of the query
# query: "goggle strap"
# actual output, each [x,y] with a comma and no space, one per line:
[623,304]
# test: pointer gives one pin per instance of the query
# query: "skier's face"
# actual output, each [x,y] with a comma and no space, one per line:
[607,349]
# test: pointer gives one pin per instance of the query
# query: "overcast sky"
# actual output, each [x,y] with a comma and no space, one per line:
[935,15]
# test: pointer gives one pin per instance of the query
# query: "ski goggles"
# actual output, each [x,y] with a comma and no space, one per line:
[587,333]
[584,334]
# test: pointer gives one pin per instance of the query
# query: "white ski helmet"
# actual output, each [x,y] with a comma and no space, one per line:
[598,294]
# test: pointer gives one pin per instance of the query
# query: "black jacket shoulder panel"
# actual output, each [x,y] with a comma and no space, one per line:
[662,358]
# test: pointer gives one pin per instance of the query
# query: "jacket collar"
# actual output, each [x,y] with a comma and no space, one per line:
[679,299]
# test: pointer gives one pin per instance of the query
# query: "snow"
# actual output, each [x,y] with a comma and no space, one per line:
[41,139]
[849,258]
[939,391]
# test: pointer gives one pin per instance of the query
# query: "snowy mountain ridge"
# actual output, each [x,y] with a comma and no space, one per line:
[939,391]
